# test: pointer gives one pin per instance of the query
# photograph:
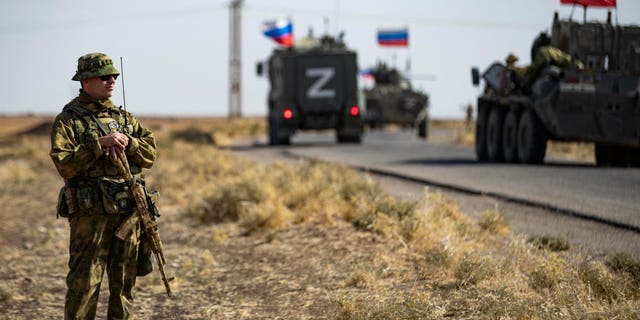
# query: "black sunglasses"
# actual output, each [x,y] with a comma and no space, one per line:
[108,77]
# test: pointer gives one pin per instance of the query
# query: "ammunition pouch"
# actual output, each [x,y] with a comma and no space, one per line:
[153,198]
[67,202]
[115,196]
[62,209]
[145,256]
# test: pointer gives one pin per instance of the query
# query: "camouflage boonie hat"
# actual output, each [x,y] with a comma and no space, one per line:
[94,65]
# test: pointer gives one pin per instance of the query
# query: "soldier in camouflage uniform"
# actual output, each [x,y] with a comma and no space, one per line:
[88,131]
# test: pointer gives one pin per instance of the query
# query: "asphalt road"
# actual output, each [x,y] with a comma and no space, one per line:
[576,193]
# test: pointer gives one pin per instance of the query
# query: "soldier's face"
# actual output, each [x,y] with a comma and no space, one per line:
[99,88]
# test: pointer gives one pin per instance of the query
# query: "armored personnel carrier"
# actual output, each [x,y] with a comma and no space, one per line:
[313,86]
[392,101]
[582,85]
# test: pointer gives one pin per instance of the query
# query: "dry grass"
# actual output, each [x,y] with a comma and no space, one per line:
[312,240]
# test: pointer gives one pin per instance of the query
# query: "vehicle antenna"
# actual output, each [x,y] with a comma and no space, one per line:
[124,99]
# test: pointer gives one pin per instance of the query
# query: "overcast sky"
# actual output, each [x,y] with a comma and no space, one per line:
[176,53]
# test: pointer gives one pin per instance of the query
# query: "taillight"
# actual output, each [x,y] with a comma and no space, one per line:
[355,111]
[287,114]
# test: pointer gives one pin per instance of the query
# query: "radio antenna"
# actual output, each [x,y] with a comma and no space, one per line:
[124,99]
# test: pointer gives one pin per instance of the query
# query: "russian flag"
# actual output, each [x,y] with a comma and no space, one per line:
[280,30]
[593,3]
[366,74]
[397,38]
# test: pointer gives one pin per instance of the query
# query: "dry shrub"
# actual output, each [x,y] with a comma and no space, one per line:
[599,280]
[193,135]
[549,242]
[494,222]
[394,207]
[548,273]
[628,267]
[472,269]
[412,307]
[433,263]
[226,202]
[269,216]
[384,214]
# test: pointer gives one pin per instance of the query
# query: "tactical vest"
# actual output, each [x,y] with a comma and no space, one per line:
[100,188]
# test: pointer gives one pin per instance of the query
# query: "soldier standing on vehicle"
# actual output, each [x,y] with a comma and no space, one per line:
[88,131]
[511,61]
[515,74]
[548,55]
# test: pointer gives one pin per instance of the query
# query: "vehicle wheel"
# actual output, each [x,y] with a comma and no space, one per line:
[423,128]
[481,133]
[532,138]
[510,137]
[274,138]
[494,134]
[634,157]
[343,138]
[617,156]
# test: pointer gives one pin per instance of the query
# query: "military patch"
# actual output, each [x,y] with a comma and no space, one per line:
[113,126]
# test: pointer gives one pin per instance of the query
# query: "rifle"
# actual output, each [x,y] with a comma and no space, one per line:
[143,214]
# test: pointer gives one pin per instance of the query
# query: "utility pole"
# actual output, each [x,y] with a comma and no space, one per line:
[235,75]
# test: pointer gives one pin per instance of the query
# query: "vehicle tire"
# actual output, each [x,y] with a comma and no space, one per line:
[510,137]
[343,138]
[634,157]
[481,133]
[494,134]
[274,138]
[532,138]
[617,156]
[423,128]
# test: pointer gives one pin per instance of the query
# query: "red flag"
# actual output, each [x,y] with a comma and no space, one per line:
[591,3]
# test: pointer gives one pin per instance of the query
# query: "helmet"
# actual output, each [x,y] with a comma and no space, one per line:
[94,65]
[511,58]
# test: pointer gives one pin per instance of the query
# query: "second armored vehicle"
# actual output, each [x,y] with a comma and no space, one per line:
[582,85]
[314,86]
[392,101]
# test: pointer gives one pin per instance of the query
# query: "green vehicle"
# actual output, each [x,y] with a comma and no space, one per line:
[392,100]
[313,86]
[585,90]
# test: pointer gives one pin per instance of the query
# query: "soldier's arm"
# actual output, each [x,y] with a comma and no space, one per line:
[142,145]
[69,156]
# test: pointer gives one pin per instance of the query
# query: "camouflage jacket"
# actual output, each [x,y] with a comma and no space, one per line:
[75,149]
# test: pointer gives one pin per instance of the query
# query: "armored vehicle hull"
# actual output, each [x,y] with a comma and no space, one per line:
[392,101]
[313,89]
[595,98]
[392,105]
